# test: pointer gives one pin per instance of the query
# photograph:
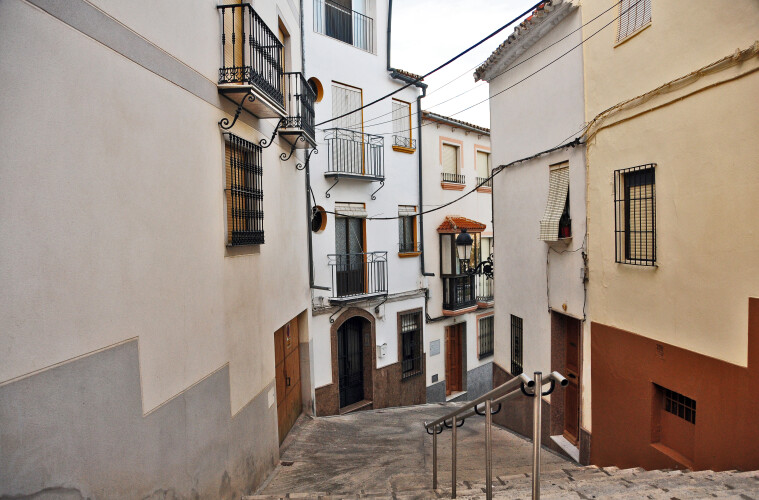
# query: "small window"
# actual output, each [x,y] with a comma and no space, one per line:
[402,126]
[244,192]
[516,345]
[633,15]
[557,206]
[679,405]
[485,329]
[635,215]
[410,330]
[483,169]
[407,229]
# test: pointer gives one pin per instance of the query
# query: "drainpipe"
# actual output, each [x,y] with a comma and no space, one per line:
[302,42]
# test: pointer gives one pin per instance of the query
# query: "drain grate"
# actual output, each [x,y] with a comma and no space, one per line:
[286,463]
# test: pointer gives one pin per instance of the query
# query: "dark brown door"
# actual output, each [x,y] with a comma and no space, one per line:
[572,391]
[350,358]
[287,356]
[453,365]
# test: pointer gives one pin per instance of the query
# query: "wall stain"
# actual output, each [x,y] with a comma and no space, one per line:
[53,493]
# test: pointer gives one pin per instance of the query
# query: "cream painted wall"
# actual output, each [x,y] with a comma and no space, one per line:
[476,206]
[112,189]
[706,179]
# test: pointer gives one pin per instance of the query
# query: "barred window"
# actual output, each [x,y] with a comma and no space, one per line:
[410,329]
[486,337]
[407,229]
[633,15]
[679,405]
[516,345]
[635,215]
[244,192]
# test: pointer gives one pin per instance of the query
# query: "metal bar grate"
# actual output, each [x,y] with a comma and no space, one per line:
[245,214]
[635,215]
[341,23]
[411,328]
[516,345]
[486,337]
[453,178]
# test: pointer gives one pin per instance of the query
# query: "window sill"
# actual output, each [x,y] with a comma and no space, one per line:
[673,454]
[483,356]
[453,186]
[411,375]
[484,189]
[405,255]
[401,149]
[632,35]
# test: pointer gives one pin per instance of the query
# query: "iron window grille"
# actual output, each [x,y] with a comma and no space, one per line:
[485,182]
[486,336]
[406,234]
[679,405]
[516,345]
[357,274]
[404,142]
[453,178]
[633,15]
[411,334]
[250,52]
[244,192]
[635,215]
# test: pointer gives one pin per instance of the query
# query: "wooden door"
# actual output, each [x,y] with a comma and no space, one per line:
[572,391]
[287,356]
[453,364]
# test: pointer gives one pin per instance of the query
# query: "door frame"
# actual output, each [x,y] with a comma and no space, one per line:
[461,327]
[342,341]
[559,332]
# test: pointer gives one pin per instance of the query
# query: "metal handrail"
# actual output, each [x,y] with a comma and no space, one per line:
[521,384]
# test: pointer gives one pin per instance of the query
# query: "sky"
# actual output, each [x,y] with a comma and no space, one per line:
[426,33]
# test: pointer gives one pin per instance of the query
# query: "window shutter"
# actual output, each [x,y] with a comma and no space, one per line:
[350,209]
[345,99]
[450,159]
[641,217]
[483,167]
[557,198]
[401,123]
[633,15]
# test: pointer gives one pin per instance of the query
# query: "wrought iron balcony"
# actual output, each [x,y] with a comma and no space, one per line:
[484,290]
[299,98]
[400,141]
[484,182]
[459,294]
[251,58]
[453,178]
[344,24]
[355,154]
[356,276]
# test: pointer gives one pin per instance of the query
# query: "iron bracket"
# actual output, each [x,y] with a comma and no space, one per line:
[327,195]
[492,411]
[382,184]
[435,430]
[301,166]
[332,316]
[284,156]
[224,122]
[266,143]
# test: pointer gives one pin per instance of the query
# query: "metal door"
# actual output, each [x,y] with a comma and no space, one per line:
[350,358]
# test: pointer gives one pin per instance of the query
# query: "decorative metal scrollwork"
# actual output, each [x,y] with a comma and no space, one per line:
[332,316]
[264,143]
[382,184]
[301,166]
[327,195]
[285,157]
[224,122]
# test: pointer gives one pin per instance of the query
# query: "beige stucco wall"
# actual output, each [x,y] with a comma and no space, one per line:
[701,135]
[113,227]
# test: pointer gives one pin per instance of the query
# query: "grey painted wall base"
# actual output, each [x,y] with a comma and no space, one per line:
[478,382]
[436,392]
[77,430]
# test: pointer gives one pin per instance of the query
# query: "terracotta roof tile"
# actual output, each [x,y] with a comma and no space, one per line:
[455,223]
[409,74]
[428,115]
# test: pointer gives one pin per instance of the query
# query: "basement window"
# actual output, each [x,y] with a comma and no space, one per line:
[679,405]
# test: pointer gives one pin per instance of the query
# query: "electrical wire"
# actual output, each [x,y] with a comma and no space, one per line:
[449,61]
[367,124]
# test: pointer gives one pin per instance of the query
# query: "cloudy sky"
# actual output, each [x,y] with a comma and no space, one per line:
[427,33]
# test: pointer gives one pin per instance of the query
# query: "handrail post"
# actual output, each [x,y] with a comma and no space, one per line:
[536,422]
[434,458]
[488,452]
[453,458]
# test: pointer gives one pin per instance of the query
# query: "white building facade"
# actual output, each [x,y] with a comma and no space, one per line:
[539,213]
[367,315]
[456,160]
[154,279]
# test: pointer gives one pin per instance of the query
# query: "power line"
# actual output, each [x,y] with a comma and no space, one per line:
[496,76]
[449,61]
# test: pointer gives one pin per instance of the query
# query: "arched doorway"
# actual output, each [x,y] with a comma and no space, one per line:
[350,359]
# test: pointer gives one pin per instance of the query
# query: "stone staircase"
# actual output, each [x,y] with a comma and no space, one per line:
[583,483]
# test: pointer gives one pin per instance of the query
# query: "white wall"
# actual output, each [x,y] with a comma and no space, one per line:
[112,184]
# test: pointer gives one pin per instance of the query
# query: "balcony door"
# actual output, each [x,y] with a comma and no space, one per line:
[349,247]
[347,151]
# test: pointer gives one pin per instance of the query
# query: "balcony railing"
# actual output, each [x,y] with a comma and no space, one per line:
[404,142]
[343,24]
[355,154]
[251,54]
[453,178]
[484,291]
[484,182]
[458,293]
[300,104]
[355,275]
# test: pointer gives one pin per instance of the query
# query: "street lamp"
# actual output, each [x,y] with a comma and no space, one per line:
[464,250]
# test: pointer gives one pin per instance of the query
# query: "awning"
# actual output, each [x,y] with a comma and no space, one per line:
[557,198]
[454,224]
